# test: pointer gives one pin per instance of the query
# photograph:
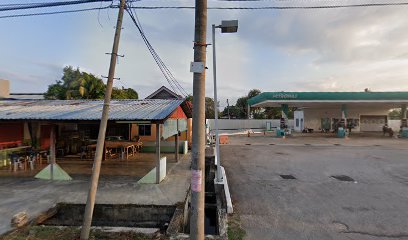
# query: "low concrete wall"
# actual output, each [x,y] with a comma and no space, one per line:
[165,147]
[235,124]
[150,178]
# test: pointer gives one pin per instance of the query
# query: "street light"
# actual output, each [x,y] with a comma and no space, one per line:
[230,26]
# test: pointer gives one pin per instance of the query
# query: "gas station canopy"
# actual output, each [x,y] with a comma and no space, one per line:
[329,99]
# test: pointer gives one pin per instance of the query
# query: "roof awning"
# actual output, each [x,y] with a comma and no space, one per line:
[330,99]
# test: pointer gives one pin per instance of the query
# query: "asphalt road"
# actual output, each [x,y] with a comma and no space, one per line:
[315,205]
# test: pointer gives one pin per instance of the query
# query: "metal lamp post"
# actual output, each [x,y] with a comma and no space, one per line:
[230,26]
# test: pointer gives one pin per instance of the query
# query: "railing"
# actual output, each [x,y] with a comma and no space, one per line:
[5,155]
[10,144]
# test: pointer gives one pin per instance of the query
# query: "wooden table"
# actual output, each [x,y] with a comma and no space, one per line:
[128,148]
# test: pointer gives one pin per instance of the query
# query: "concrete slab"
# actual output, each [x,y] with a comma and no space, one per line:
[316,206]
[35,196]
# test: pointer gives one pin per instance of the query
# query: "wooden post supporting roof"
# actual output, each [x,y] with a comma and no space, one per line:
[52,152]
[177,141]
[157,153]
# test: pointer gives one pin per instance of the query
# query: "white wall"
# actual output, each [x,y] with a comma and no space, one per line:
[394,124]
[234,124]
[4,88]
[313,116]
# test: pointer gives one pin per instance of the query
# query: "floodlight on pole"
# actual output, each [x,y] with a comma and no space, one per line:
[230,26]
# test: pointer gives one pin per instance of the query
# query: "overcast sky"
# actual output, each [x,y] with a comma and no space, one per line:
[274,50]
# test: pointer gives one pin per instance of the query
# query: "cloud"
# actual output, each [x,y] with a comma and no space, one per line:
[304,50]
[340,35]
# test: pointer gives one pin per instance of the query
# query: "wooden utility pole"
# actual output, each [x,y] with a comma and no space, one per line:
[86,226]
[52,152]
[198,148]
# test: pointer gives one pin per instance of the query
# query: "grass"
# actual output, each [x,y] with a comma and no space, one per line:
[71,233]
[235,230]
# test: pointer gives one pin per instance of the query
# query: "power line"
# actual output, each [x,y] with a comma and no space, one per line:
[279,7]
[47,4]
[174,84]
[54,13]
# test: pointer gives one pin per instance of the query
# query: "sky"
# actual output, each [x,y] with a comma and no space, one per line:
[346,49]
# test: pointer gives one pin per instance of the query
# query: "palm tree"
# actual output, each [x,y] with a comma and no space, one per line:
[91,87]
[86,87]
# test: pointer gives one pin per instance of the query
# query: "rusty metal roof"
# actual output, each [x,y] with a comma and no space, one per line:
[146,109]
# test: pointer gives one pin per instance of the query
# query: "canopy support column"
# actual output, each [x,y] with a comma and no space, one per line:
[404,115]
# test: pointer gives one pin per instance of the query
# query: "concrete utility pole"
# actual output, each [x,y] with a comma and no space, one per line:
[198,148]
[86,226]
[228,108]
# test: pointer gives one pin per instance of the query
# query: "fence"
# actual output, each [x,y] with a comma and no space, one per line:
[236,124]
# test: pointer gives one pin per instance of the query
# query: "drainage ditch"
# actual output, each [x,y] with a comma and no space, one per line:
[215,215]
[111,215]
[172,220]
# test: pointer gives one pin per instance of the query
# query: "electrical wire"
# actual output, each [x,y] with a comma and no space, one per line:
[54,13]
[47,4]
[174,84]
[279,7]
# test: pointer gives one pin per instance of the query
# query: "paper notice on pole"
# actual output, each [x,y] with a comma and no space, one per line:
[196,180]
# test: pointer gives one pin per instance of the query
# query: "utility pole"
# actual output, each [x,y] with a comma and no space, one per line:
[86,226]
[198,148]
[229,116]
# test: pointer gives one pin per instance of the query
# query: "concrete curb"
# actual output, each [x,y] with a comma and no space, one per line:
[230,209]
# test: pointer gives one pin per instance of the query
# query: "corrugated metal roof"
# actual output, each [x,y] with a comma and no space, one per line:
[131,110]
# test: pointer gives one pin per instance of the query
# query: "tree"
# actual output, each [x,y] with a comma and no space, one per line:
[209,106]
[124,93]
[233,112]
[75,84]
[395,114]
[87,87]
[55,91]
[272,113]
[242,107]
[253,93]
